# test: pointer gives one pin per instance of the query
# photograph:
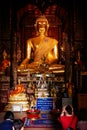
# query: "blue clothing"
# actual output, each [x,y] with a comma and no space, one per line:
[6,125]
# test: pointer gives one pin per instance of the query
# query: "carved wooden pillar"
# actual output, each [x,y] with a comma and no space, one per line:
[67,58]
[15,60]
[59,40]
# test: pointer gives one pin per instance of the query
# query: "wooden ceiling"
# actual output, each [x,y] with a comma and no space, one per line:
[58,8]
[41,4]
[47,7]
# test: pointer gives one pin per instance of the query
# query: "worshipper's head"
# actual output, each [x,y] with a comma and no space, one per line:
[9,115]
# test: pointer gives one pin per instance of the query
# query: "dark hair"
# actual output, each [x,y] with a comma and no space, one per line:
[18,124]
[9,115]
[68,109]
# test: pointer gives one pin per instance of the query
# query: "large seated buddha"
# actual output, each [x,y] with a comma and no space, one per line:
[42,51]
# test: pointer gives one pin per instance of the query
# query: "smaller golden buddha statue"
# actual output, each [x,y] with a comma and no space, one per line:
[6,62]
[18,97]
[42,51]
[32,102]
[18,89]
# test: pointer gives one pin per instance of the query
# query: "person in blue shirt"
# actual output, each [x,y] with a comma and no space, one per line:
[7,124]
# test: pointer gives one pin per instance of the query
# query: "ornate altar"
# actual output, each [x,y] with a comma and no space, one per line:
[42,85]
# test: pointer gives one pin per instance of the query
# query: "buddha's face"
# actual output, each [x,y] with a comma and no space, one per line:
[42,26]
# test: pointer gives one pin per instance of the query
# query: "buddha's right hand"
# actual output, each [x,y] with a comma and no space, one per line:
[21,66]
[24,64]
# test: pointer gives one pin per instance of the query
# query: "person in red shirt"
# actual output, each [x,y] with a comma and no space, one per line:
[67,118]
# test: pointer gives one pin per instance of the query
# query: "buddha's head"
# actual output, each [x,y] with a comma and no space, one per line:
[42,24]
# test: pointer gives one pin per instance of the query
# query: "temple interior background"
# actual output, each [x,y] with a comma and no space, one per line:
[67,24]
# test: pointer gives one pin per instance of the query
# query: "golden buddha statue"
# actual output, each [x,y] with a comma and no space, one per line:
[5,64]
[18,89]
[18,97]
[42,51]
